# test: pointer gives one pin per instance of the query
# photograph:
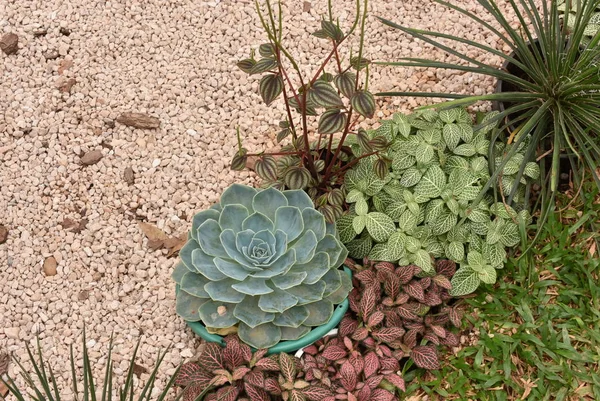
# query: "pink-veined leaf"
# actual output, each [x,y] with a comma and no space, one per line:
[387,334]
[425,357]
[368,300]
[348,376]
[372,364]
[375,318]
[288,366]
[228,393]
[316,393]
[396,380]
[256,378]
[212,357]
[380,394]
[347,326]
[334,352]
[414,289]
[256,393]
[267,364]
[446,268]
[187,373]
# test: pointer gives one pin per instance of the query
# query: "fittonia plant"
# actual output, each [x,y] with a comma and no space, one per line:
[410,213]
[264,261]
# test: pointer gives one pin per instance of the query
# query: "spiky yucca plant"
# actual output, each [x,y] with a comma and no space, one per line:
[42,384]
[557,87]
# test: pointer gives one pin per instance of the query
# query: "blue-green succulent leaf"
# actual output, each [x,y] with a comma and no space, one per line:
[232,217]
[193,284]
[308,293]
[205,265]
[187,306]
[289,333]
[341,294]
[230,243]
[257,222]
[280,266]
[200,218]
[217,315]
[277,302]
[333,281]
[238,194]
[289,280]
[305,247]
[186,254]
[209,238]
[298,198]
[223,291]
[289,219]
[315,222]
[263,336]
[231,269]
[179,271]
[331,246]
[292,317]
[249,313]
[268,201]
[319,313]
[253,286]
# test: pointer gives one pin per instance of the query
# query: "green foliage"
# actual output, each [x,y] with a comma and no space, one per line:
[551,86]
[438,169]
[264,261]
[337,98]
[43,386]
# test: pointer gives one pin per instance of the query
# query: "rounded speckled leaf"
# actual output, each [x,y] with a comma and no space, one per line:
[249,312]
[449,115]
[532,170]
[487,274]
[380,226]
[466,149]
[263,336]
[395,209]
[432,184]
[402,161]
[478,216]
[408,221]
[345,228]
[289,333]
[292,317]
[466,132]
[361,208]
[464,281]
[187,306]
[456,163]
[319,313]
[218,315]
[509,234]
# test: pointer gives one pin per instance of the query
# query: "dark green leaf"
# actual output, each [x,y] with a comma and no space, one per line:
[267,50]
[246,65]
[263,65]
[363,140]
[332,30]
[321,34]
[297,177]
[271,86]
[266,168]
[346,83]
[238,162]
[359,63]
[364,103]
[381,168]
[332,121]
[379,143]
[322,94]
[284,133]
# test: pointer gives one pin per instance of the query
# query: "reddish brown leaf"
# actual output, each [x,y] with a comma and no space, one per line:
[348,376]
[354,300]
[347,326]
[364,394]
[438,330]
[396,380]
[288,366]
[312,349]
[191,392]
[267,364]
[402,298]
[431,337]
[258,355]
[415,325]
[410,338]
[455,316]
[373,381]
[358,362]
[186,373]
[360,334]
[451,339]
[367,277]
[446,268]
[212,357]
[425,282]
[393,319]
[392,286]
[405,273]
[442,281]
[240,372]
[334,352]
[441,320]
[371,364]
[296,395]
[256,378]
[368,300]
[389,363]
[272,386]
[425,357]
[375,318]
[227,393]
[316,393]
[388,334]
[415,290]
[380,394]
[387,301]
[432,298]
[256,393]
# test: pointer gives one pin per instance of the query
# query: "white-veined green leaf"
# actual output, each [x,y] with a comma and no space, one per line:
[362,207]
[358,223]
[422,258]
[407,221]
[455,251]
[509,234]
[444,223]
[452,135]
[380,226]
[449,115]
[354,195]
[466,149]
[380,253]
[464,282]
[395,246]
[432,184]
[488,274]
[411,177]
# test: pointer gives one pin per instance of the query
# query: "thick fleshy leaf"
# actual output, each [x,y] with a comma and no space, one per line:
[179,271]
[205,265]
[230,269]
[231,242]
[291,333]
[289,280]
[315,268]
[292,317]
[249,313]
[258,222]
[232,217]
[223,291]
[263,336]
[200,218]
[271,86]
[277,302]
[218,315]
[289,219]
[306,294]
[238,194]
[280,266]
[209,239]
[332,247]
[333,281]
[253,286]
[299,199]
[268,201]
[319,313]
[341,293]
[187,306]
[332,121]
[193,284]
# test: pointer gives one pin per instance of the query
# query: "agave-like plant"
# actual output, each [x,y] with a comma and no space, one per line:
[557,84]
[264,261]
[43,386]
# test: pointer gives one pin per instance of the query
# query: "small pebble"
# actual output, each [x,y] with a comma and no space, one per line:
[91,157]
[3,234]
[9,43]
[50,266]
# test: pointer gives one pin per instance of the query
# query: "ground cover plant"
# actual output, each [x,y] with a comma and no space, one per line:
[539,340]
[337,94]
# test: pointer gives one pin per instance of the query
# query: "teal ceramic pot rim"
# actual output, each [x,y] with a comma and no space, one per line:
[284,346]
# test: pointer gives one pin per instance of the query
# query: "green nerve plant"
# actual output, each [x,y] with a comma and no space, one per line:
[412,215]
[264,261]
[336,94]
[554,104]
[569,17]
[43,386]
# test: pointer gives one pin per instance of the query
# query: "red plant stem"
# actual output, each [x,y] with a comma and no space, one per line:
[353,162]
[307,155]
[273,154]
[285,97]
[339,148]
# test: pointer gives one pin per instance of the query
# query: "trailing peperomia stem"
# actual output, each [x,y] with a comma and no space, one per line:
[312,165]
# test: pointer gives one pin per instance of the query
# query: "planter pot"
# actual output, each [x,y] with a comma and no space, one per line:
[284,346]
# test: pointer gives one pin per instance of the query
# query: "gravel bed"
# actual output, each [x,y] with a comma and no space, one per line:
[74,182]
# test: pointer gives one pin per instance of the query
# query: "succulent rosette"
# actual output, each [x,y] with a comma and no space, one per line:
[264,261]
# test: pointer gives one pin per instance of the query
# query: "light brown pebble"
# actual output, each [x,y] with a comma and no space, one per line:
[128,176]
[50,266]
[139,120]
[91,157]
[3,234]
